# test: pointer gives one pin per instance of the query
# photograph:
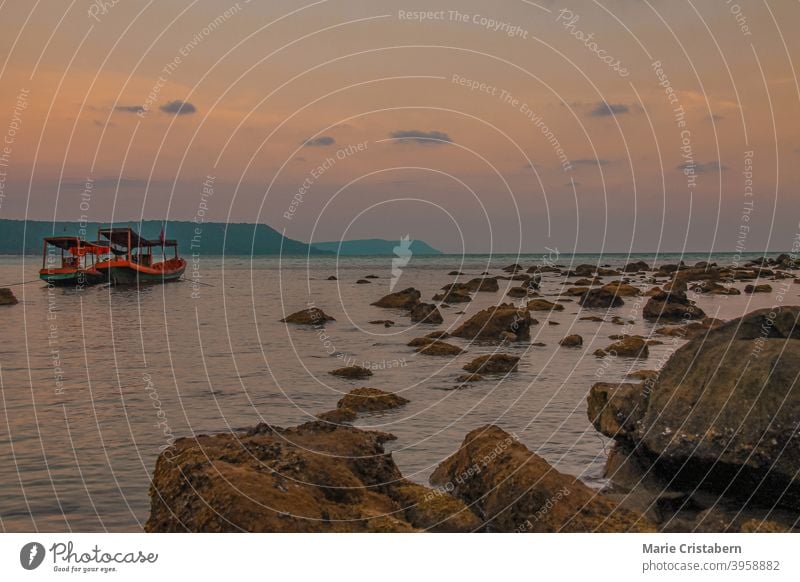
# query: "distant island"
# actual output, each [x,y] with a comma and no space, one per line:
[374,246]
[19,237]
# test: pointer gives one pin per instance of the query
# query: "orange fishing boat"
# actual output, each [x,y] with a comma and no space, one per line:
[77,263]
[132,261]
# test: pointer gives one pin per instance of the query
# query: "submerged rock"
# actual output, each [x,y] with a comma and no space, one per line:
[518,292]
[493,364]
[453,296]
[600,299]
[310,316]
[628,347]
[689,330]
[483,284]
[671,306]
[714,288]
[338,416]
[515,490]
[439,348]
[762,288]
[464,378]
[405,299]
[622,289]
[370,400]
[352,372]
[571,341]
[490,324]
[426,313]
[576,291]
[636,266]
[7,297]
[544,305]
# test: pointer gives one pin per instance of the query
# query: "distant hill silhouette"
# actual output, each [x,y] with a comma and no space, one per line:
[374,246]
[25,237]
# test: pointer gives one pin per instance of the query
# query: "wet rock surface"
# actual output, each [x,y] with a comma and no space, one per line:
[490,324]
[600,298]
[719,418]
[627,347]
[370,400]
[426,313]
[353,372]
[671,306]
[7,297]
[493,364]
[544,305]
[316,477]
[405,299]
[310,316]
[439,348]
[571,341]
[515,490]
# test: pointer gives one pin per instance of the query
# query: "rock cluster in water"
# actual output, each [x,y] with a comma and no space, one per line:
[717,423]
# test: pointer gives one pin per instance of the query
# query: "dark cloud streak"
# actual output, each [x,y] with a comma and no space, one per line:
[421,137]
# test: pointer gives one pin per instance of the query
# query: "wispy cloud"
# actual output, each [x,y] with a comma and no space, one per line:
[106,182]
[604,109]
[321,141]
[178,107]
[422,137]
[590,162]
[129,108]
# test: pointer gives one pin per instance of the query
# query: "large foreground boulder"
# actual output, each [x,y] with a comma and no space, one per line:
[614,409]
[515,490]
[496,323]
[723,413]
[317,477]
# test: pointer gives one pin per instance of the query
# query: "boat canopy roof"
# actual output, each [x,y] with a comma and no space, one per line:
[77,246]
[119,237]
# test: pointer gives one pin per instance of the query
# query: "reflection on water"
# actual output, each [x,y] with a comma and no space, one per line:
[95,382]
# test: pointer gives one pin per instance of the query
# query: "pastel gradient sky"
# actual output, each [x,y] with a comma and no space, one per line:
[278,95]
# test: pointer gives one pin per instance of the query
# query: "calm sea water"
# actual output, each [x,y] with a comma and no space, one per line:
[94,382]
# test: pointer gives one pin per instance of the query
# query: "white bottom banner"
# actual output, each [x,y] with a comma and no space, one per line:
[390,557]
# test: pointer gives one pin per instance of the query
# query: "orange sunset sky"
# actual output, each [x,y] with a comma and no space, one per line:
[504,126]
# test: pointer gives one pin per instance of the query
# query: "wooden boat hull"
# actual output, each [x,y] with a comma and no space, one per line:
[71,277]
[122,272]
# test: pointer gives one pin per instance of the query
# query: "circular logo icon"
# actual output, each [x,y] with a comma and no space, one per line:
[31,555]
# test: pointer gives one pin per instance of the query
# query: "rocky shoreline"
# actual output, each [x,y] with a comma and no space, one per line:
[709,442]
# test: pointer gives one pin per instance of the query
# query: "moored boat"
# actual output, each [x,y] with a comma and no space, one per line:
[132,257]
[77,263]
